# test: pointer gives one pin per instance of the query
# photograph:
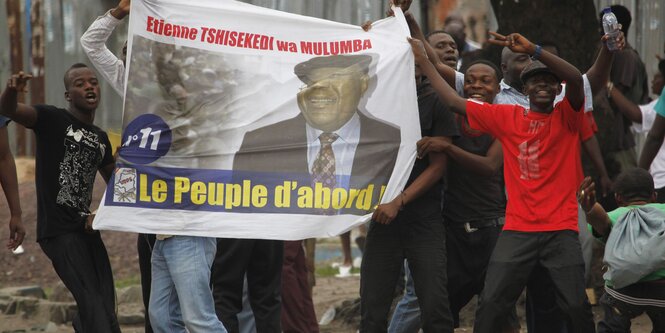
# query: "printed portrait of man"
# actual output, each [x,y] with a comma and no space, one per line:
[332,140]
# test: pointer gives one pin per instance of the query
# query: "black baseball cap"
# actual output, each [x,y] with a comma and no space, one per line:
[536,67]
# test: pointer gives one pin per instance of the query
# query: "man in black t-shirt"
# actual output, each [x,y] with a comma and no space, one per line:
[475,201]
[410,227]
[70,151]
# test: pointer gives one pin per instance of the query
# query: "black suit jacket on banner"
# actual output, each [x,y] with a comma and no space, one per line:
[282,148]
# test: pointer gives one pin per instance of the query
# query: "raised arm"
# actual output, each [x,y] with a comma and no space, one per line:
[94,41]
[488,165]
[595,214]
[447,95]
[23,114]
[9,184]
[447,72]
[564,70]
[599,73]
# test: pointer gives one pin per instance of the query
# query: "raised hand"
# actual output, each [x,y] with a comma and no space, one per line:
[121,10]
[620,41]
[418,50]
[586,195]
[19,81]
[515,42]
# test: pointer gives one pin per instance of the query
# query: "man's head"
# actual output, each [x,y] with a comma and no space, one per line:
[623,16]
[658,81]
[550,47]
[81,88]
[512,65]
[481,81]
[445,47]
[333,88]
[634,185]
[455,29]
[541,85]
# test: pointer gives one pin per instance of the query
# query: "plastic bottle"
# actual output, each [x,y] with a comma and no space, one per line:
[611,28]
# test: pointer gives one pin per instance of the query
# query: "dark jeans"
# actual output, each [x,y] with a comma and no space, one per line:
[81,262]
[618,313]
[468,256]
[144,245]
[261,260]
[420,240]
[511,268]
[542,313]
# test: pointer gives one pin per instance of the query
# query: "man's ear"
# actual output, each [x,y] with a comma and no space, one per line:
[558,90]
[364,83]
[654,196]
[67,98]
[619,199]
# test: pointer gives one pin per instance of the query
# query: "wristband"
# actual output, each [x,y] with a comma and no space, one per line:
[536,54]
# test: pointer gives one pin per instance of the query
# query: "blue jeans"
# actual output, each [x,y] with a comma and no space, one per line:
[180,296]
[406,318]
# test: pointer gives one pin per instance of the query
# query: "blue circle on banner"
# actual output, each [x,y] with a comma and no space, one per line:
[145,139]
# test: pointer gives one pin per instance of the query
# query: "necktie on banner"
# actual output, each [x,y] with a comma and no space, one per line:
[218,128]
[323,169]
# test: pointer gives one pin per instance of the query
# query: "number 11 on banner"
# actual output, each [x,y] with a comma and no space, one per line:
[145,135]
[147,138]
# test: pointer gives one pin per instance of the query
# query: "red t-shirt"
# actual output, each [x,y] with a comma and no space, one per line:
[541,156]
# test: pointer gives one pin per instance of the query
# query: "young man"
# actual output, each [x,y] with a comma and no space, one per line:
[70,151]
[410,227]
[540,147]
[112,69]
[475,202]
[643,118]
[633,231]
[10,187]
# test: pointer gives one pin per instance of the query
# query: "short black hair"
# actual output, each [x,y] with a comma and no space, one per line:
[661,67]
[77,65]
[493,66]
[623,16]
[634,184]
[548,43]
[436,32]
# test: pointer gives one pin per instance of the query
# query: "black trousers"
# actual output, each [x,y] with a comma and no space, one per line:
[81,262]
[261,260]
[421,240]
[144,245]
[515,257]
[468,256]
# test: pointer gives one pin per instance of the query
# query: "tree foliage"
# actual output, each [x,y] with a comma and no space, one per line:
[570,24]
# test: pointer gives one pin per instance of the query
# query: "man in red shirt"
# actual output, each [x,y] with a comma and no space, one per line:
[541,154]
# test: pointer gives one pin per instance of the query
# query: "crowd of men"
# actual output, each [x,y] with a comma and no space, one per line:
[514,210]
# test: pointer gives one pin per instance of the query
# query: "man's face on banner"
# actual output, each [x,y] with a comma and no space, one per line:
[332,97]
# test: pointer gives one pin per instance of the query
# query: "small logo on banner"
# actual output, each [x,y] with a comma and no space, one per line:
[124,188]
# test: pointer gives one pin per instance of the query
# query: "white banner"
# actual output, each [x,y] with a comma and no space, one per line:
[246,122]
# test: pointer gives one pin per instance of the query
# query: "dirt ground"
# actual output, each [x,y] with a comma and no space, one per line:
[34,268]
